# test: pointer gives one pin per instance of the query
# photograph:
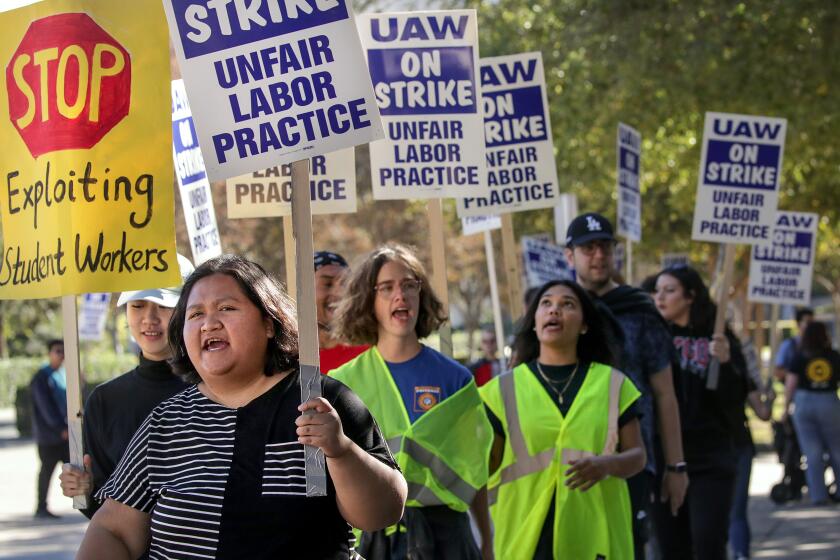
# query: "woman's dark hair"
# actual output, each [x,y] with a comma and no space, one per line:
[701,315]
[815,339]
[594,345]
[355,320]
[264,291]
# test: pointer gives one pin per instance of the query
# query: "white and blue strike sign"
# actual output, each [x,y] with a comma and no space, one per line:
[92,314]
[782,272]
[424,69]
[272,82]
[196,196]
[268,192]
[544,261]
[738,187]
[480,224]
[629,157]
[520,152]
[674,259]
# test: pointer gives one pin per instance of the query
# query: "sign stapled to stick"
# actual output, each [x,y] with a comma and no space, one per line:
[424,69]
[544,261]
[517,129]
[272,82]
[738,185]
[628,161]
[268,193]
[478,224]
[83,97]
[196,196]
[782,272]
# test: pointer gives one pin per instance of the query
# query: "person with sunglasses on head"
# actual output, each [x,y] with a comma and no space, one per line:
[645,358]
[116,408]
[567,436]
[331,271]
[713,419]
[427,405]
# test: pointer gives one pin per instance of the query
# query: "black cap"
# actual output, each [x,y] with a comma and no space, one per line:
[326,258]
[588,227]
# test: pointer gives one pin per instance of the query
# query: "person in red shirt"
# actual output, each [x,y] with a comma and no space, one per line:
[486,367]
[330,269]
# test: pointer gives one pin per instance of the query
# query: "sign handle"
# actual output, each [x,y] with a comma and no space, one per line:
[494,298]
[774,341]
[628,264]
[720,316]
[512,273]
[70,314]
[310,376]
[289,254]
[434,211]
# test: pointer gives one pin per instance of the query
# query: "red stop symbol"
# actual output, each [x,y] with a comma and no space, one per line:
[69,83]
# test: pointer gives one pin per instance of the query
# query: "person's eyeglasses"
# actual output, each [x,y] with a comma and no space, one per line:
[607,247]
[408,288]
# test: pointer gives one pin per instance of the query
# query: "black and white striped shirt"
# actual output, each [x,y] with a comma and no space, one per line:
[230,483]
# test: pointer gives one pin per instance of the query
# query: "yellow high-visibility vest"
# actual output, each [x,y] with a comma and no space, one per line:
[539,444]
[444,453]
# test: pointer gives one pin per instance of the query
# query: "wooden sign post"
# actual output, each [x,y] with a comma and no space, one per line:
[310,375]
[494,298]
[511,262]
[722,304]
[774,341]
[434,211]
[628,263]
[70,313]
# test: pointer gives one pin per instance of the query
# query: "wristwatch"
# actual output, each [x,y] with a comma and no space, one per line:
[680,467]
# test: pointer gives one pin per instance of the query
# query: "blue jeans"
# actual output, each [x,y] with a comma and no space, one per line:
[739,525]
[817,422]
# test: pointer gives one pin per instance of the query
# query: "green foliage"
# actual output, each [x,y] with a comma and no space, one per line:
[96,368]
[659,66]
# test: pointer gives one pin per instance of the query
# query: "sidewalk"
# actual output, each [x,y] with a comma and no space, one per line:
[790,532]
[21,536]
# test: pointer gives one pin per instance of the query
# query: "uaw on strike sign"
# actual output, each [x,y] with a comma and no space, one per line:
[85,149]
[782,272]
[424,66]
[272,82]
[738,187]
[520,151]
[196,196]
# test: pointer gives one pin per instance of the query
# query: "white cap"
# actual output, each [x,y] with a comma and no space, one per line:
[166,297]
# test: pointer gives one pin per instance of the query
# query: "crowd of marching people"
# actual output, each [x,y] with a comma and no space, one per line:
[603,439]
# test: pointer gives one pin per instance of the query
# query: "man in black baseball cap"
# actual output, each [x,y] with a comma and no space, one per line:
[645,358]
[330,269]
[589,227]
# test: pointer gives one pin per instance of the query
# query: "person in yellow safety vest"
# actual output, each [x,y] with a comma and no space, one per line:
[426,404]
[567,437]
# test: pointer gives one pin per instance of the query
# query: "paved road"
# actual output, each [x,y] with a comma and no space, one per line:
[794,532]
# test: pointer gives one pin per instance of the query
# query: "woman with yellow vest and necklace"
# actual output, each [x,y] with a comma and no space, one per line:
[426,404]
[567,435]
